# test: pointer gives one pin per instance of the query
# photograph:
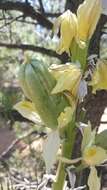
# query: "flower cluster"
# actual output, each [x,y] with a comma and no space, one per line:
[78,27]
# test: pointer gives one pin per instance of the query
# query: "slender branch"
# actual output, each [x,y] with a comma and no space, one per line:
[27,22]
[28,11]
[7,18]
[41,6]
[72,4]
[12,19]
[17,140]
[52,15]
[9,23]
[27,47]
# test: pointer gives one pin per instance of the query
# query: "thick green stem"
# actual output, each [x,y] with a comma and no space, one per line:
[82,57]
[67,148]
[79,54]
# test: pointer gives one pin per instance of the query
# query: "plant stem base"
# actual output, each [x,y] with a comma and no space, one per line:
[67,148]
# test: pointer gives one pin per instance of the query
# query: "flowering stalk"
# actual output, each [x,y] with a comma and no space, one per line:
[76,31]
[67,148]
[69,131]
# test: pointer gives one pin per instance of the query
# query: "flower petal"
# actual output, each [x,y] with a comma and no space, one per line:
[65,117]
[94,155]
[68,30]
[69,80]
[99,78]
[50,149]
[27,110]
[93,179]
[88,15]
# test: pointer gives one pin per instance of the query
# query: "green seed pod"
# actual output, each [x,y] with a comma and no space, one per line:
[37,83]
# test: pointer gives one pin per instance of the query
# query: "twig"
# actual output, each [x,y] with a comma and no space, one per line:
[14,143]
[28,47]
[11,19]
[28,11]
[41,6]
[27,22]
[9,23]
[52,15]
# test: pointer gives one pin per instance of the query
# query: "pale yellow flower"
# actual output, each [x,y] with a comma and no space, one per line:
[88,15]
[68,30]
[69,80]
[99,78]
[27,109]
[57,70]
[65,117]
[94,155]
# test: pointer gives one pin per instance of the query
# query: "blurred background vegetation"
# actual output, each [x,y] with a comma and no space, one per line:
[26,29]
